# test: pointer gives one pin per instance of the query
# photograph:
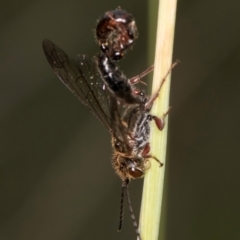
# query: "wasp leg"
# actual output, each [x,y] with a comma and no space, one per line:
[151,156]
[150,101]
[136,79]
[160,122]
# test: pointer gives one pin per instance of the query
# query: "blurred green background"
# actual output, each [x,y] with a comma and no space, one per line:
[56,180]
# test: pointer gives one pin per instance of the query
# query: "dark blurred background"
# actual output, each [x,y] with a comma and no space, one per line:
[56,180]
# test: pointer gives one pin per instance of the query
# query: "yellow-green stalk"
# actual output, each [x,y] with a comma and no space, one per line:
[154,178]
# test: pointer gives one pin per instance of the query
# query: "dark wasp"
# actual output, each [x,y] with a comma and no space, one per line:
[127,117]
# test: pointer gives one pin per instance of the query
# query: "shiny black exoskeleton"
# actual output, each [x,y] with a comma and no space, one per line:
[117,82]
[115,33]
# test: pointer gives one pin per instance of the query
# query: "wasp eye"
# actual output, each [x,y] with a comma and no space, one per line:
[135,172]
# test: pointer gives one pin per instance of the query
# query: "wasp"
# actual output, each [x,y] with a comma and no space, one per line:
[112,98]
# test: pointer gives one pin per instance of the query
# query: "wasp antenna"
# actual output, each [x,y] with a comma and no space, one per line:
[122,206]
[131,211]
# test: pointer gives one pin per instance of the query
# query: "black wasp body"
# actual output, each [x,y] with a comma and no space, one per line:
[117,82]
[128,124]
[111,97]
[115,33]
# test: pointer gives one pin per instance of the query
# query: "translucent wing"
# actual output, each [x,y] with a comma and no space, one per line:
[82,78]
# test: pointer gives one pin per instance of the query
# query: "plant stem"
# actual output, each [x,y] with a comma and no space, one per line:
[154,178]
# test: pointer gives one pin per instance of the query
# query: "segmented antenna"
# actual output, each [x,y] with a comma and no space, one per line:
[125,184]
[122,206]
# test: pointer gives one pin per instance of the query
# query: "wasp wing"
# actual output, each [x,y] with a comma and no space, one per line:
[120,130]
[82,79]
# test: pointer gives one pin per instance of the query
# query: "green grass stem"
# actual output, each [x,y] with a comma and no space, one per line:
[154,178]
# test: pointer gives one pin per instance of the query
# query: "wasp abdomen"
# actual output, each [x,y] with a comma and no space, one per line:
[116,81]
[116,32]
